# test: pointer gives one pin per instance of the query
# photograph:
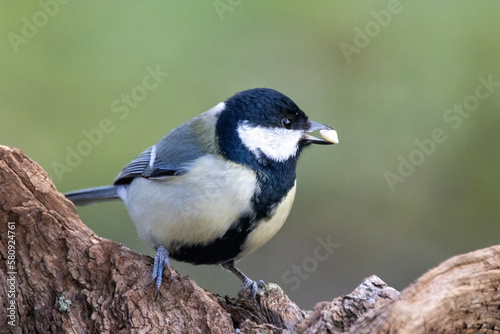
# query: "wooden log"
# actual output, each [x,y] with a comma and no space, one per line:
[58,276]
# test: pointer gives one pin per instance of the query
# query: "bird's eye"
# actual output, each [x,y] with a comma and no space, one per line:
[287,122]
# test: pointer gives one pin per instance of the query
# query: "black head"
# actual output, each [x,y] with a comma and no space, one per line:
[262,126]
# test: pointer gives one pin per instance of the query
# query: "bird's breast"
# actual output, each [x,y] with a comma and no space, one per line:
[195,208]
[267,228]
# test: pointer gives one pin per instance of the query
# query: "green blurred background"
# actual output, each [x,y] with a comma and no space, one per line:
[382,82]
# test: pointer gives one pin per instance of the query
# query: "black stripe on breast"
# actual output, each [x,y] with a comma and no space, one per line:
[220,250]
[274,183]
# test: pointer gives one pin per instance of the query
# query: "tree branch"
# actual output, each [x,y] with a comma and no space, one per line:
[58,276]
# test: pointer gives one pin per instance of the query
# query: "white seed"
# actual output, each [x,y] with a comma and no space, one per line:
[330,135]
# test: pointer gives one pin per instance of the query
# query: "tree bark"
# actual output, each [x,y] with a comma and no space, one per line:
[58,276]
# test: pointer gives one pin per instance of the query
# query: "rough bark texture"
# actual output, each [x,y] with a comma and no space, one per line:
[340,314]
[461,295]
[57,276]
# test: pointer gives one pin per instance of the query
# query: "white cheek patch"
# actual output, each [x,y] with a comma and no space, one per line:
[278,144]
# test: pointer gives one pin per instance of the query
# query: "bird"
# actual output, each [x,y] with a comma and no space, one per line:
[220,185]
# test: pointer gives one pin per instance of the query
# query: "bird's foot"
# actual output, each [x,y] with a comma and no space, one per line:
[250,288]
[161,261]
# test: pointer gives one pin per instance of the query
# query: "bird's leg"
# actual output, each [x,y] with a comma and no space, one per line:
[248,284]
[161,261]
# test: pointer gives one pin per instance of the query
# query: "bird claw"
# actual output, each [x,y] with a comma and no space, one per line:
[252,287]
[161,261]
[249,287]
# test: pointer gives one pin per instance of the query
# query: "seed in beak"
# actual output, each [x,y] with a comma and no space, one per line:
[330,135]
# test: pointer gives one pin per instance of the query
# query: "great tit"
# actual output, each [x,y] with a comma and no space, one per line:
[219,186]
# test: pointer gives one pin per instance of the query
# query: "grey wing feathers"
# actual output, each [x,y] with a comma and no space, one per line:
[150,166]
[135,168]
[172,154]
[93,195]
[170,157]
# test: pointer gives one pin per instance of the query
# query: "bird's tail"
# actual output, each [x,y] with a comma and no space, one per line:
[94,195]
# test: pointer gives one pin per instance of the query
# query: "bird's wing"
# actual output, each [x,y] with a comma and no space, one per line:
[145,166]
[134,168]
[172,155]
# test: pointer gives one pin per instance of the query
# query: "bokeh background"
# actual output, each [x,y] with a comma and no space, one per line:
[384,74]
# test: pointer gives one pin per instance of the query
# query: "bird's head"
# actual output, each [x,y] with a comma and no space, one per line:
[264,126]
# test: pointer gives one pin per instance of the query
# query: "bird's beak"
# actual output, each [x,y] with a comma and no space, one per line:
[329,135]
